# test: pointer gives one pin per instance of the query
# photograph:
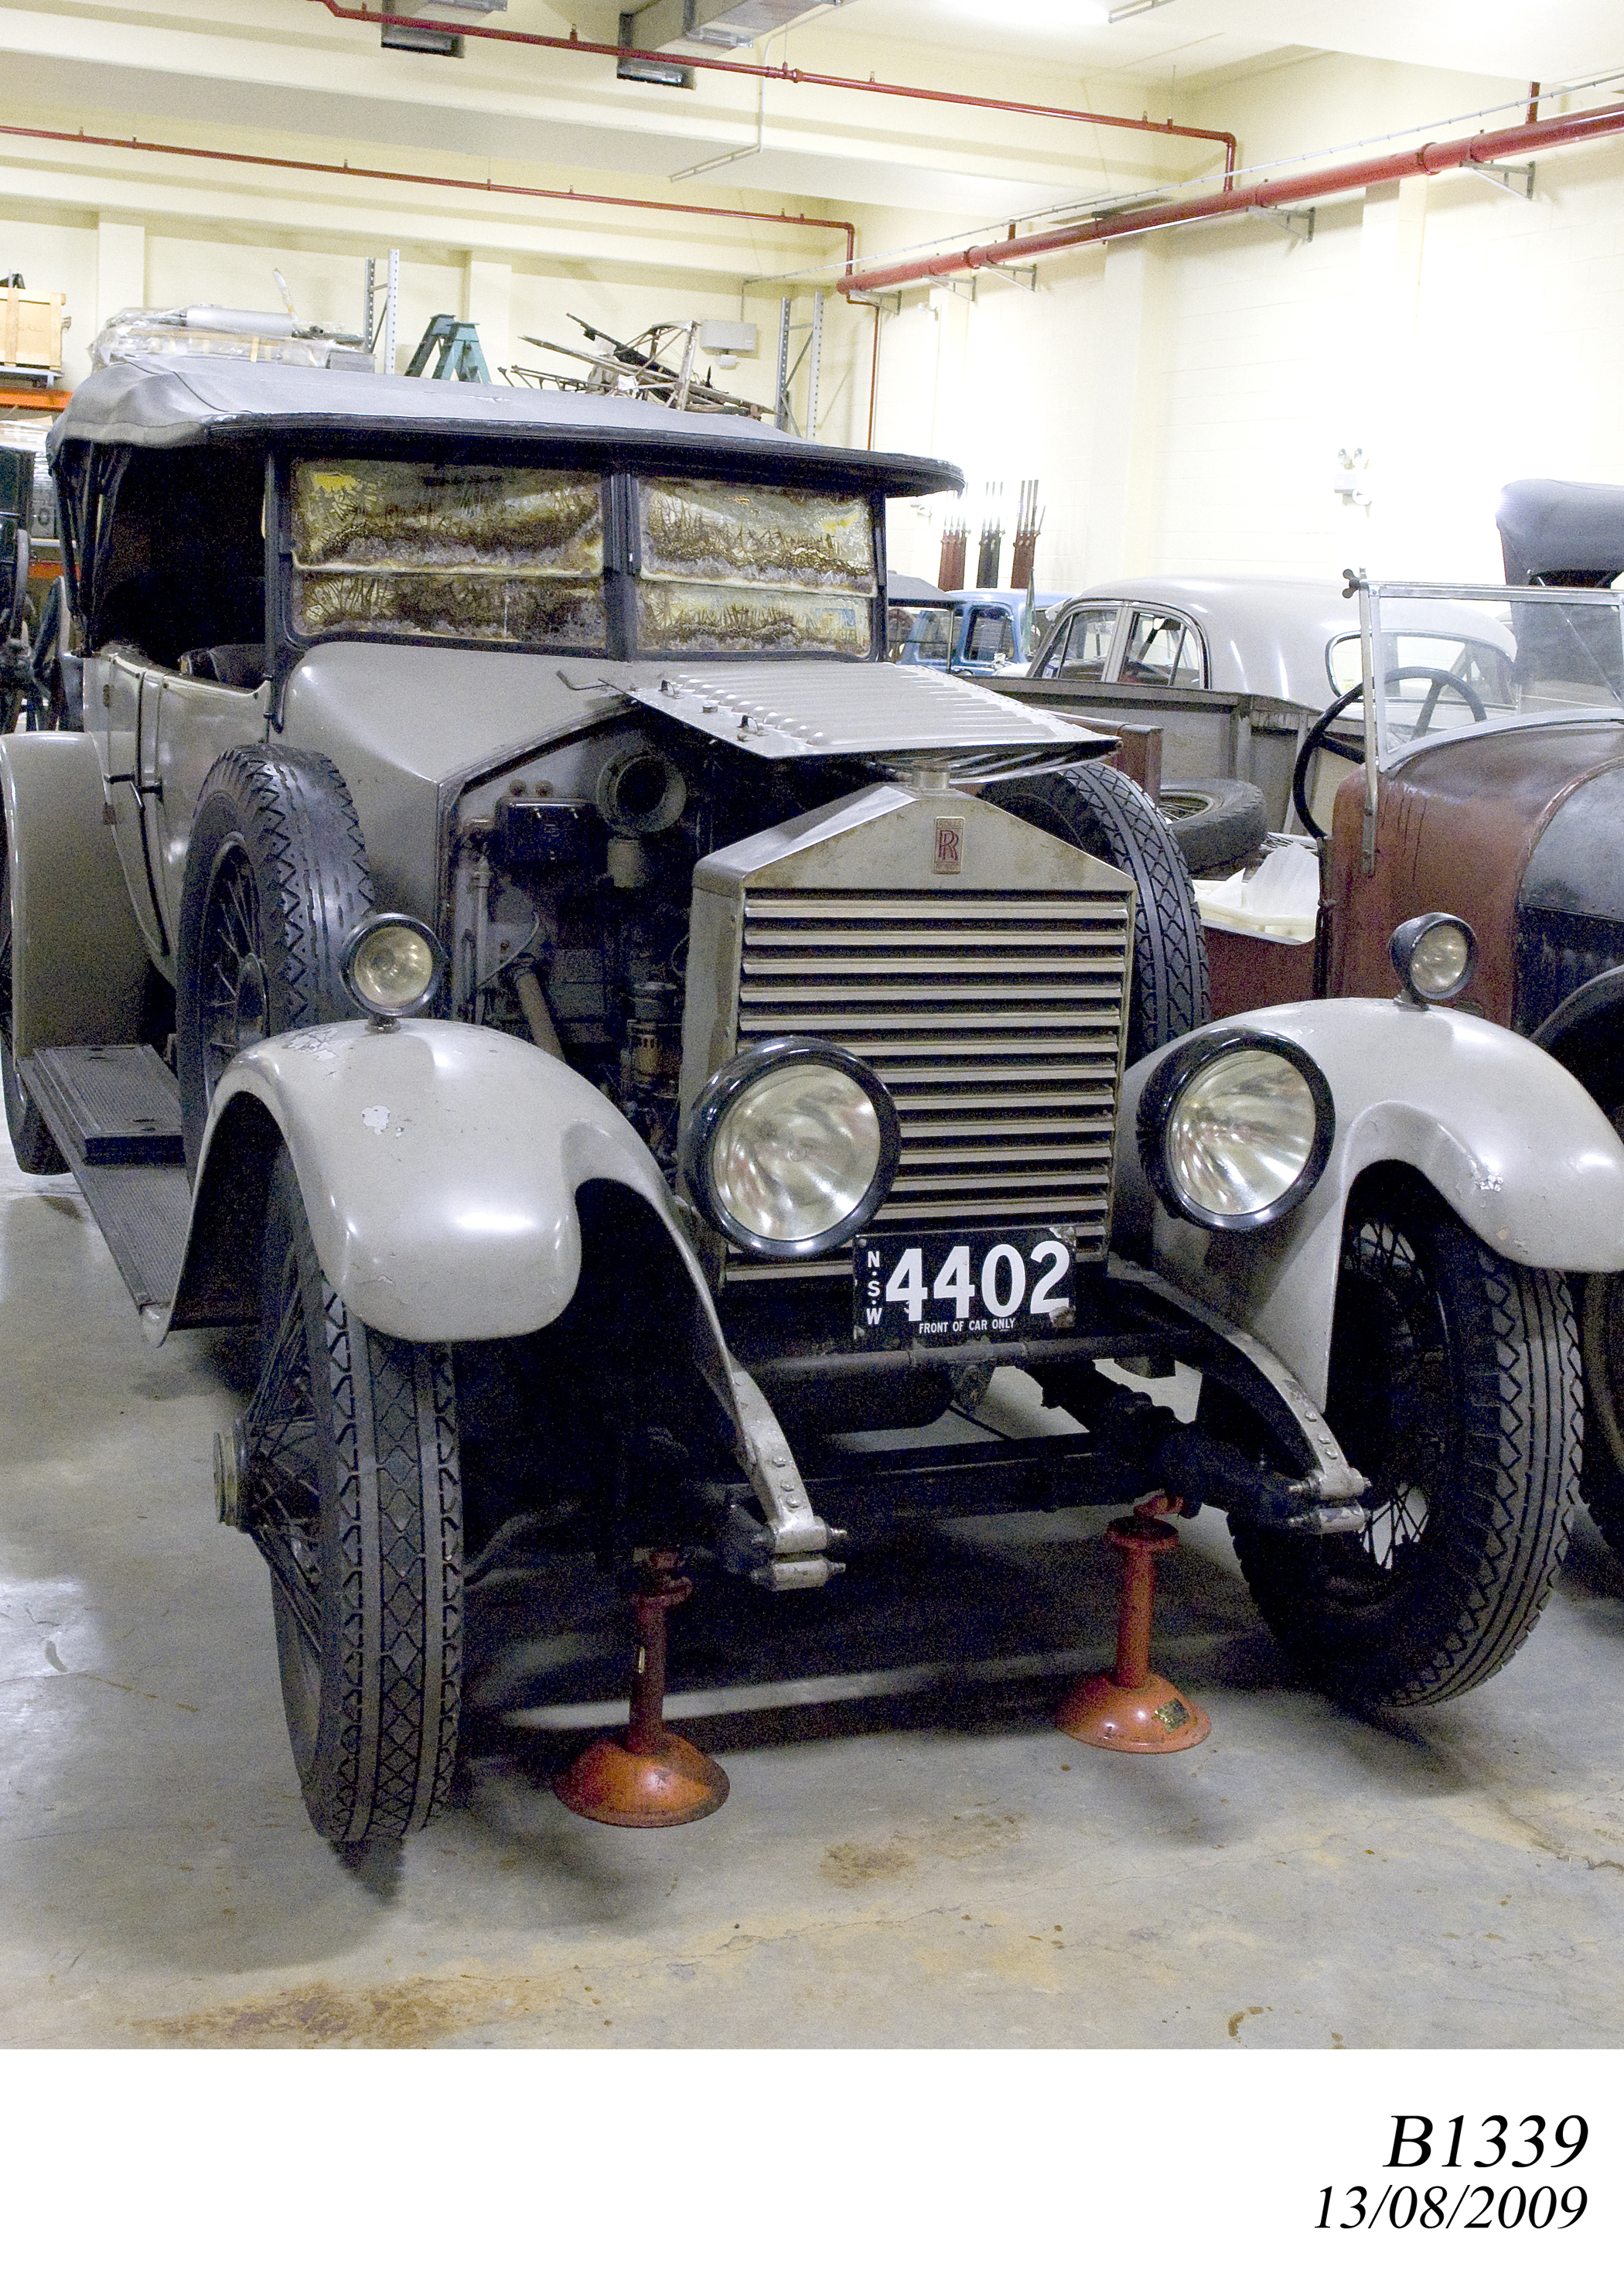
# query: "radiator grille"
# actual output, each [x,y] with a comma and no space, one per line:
[995,1021]
[1556,953]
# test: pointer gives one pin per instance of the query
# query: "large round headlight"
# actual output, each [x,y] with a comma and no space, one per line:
[392,964]
[1234,1130]
[791,1148]
[1434,956]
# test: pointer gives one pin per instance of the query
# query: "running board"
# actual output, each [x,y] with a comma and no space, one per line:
[114,1114]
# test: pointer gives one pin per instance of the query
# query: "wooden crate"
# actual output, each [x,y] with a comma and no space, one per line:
[31,326]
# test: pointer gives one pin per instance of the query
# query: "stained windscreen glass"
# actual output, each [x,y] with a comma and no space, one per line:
[508,555]
[752,567]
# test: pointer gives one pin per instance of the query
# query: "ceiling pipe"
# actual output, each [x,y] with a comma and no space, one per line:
[348,173]
[1525,140]
[790,75]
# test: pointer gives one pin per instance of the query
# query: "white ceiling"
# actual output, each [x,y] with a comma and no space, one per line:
[1525,39]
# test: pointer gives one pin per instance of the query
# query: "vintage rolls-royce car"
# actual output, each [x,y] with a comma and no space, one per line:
[490,920]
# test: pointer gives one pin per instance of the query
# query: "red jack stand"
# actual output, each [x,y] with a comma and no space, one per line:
[1131,1710]
[646,1777]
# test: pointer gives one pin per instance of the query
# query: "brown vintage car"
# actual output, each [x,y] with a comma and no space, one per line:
[1499,797]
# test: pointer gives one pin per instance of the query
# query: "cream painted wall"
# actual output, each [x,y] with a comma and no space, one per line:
[1190,418]
[56,260]
[1460,336]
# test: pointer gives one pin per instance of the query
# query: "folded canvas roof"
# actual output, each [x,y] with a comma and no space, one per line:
[1548,529]
[167,403]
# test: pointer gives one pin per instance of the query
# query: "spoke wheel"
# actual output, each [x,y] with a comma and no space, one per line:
[276,879]
[229,983]
[350,1486]
[1454,1386]
[35,1151]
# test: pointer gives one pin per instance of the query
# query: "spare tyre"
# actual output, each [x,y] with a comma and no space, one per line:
[1104,814]
[1216,821]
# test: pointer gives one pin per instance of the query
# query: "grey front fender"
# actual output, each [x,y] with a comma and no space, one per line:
[439,1165]
[1504,1135]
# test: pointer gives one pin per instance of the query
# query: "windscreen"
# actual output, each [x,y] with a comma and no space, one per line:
[477,554]
[1483,662]
[752,567]
[931,637]
[1084,651]
[1535,652]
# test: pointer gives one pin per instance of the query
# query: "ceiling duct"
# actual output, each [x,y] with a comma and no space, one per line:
[713,23]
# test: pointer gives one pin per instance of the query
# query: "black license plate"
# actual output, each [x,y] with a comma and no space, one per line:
[948,1285]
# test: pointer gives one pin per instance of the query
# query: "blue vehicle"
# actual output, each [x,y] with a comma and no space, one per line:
[980,630]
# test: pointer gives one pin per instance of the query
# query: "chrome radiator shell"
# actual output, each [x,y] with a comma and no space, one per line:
[991,999]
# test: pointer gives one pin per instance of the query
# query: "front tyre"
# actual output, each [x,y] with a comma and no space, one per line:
[1455,1386]
[349,1483]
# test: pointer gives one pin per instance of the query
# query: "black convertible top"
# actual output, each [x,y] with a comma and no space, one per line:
[1561,534]
[167,402]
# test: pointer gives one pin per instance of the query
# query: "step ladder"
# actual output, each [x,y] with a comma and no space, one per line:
[454,344]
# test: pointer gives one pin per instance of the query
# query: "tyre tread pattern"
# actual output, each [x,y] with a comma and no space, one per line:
[399,1614]
[312,839]
[1102,811]
[1226,828]
[304,839]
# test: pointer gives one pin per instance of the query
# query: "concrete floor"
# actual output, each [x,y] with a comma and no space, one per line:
[915,1859]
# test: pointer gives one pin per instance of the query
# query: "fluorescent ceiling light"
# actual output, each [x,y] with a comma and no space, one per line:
[1134,8]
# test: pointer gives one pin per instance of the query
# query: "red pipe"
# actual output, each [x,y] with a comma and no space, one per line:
[425,182]
[789,73]
[1294,189]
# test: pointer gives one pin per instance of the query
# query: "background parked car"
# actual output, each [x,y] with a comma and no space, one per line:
[1290,638]
[1231,674]
[980,630]
[904,596]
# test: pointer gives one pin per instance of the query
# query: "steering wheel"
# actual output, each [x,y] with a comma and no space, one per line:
[1320,734]
[1440,680]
